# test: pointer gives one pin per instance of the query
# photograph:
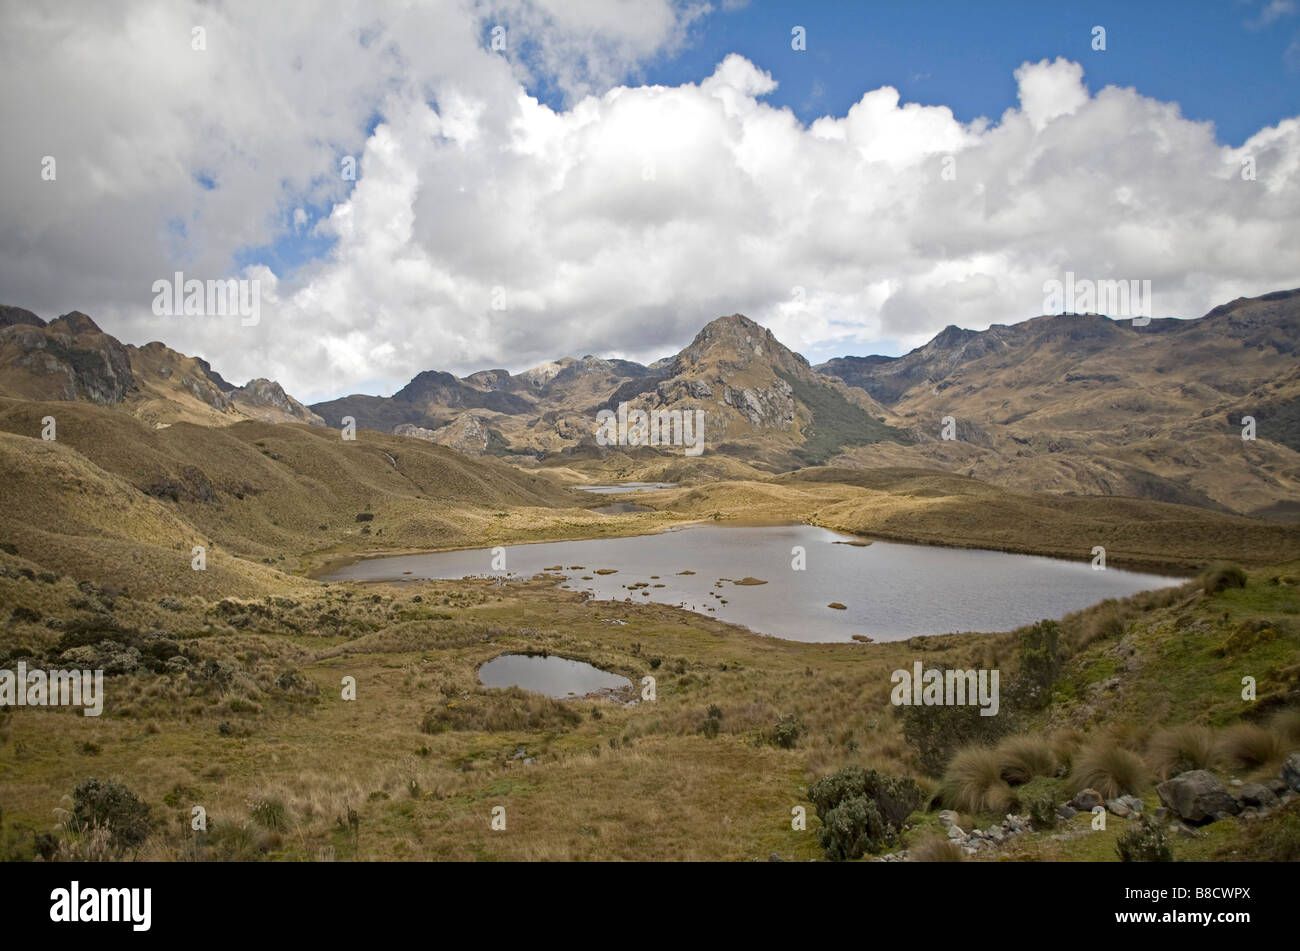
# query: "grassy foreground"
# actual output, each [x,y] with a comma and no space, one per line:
[253,727]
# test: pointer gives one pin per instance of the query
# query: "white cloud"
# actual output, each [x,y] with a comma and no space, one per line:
[617,226]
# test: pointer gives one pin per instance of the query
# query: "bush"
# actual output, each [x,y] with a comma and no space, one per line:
[936,733]
[974,783]
[270,813]
[1182,748]
[786,732]
[111,805]
[861,810]
[1040,662]
[1041,810]
[1221,576]
[1109,769]
[1144,841]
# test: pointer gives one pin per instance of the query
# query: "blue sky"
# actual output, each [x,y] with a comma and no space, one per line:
[1208,55]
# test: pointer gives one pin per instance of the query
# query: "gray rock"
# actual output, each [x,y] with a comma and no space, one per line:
[1253,794]
[947,819]
[1066,811]
[1118,808]
[1291,772]
[955,832]
[1086,799]
[1197,796]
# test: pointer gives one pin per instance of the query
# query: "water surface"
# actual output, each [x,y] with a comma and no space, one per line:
[557,677]
[618,487]
[889,590]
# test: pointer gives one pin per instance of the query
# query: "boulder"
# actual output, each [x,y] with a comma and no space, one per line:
[1197,796]
[1253,794]
[1085,800]
[1291,772]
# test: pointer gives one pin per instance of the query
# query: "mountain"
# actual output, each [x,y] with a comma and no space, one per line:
[1083,403]
[71,358]
[763,403]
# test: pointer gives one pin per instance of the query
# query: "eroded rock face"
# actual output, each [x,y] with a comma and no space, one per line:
[1197,796]
[70,358]
[771,406]
[468,433]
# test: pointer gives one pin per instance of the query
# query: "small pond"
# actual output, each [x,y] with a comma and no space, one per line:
[557,677]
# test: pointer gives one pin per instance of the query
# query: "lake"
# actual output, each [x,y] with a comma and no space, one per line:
[889,590]
[620,487]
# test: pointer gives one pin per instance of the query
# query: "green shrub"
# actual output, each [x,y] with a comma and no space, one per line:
[786,732]
[107,803]
[1144,841]
[861,810]
[936,733]
[1039,653]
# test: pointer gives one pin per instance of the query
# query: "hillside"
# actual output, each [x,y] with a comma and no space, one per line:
[71,358]
[115,500]
[1082,403]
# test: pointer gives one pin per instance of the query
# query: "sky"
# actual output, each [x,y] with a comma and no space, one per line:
[546,178]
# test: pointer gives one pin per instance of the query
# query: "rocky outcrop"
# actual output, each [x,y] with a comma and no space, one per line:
[1197,796]
[70,358]
[266,399]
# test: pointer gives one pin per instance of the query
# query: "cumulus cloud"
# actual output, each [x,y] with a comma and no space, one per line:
[486,228]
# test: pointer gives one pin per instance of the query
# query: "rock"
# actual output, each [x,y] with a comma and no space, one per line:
[1277,786]
[947,819]
[1066,811]
[1085,800]
[1187,832]
[955,832]
[1291,772]
[1135,805]
[1253,794]
[1196,796]
[1119,808]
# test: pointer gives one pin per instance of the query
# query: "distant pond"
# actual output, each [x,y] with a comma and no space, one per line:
[557,677]
[742,574]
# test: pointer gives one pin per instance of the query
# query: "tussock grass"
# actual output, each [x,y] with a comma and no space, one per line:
[1109,769]
[1181,748]
[935,849]
[973,783]
[1249,746]
[1021,758]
